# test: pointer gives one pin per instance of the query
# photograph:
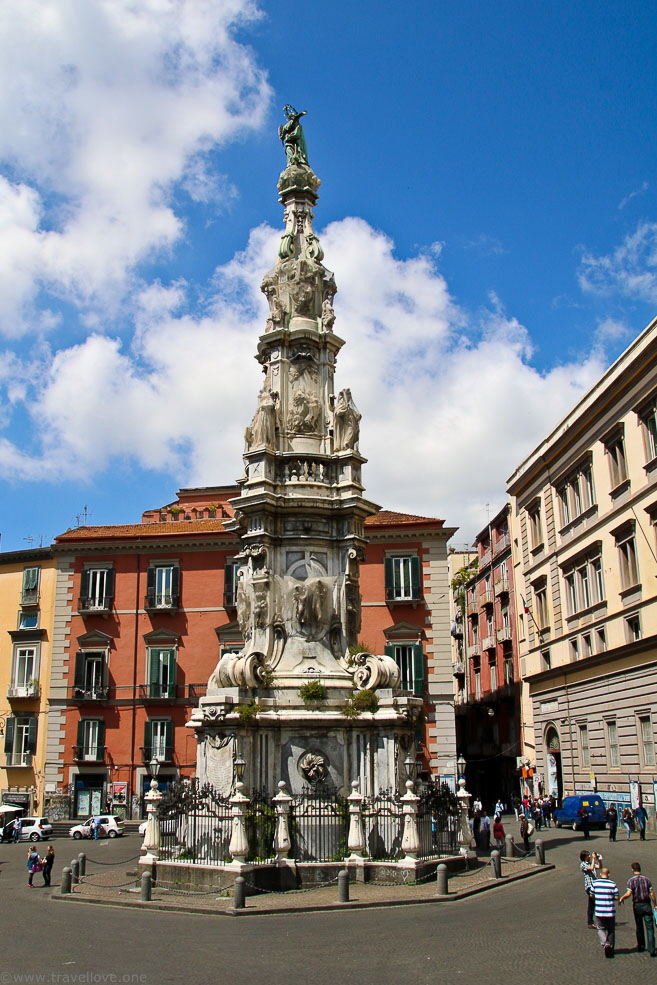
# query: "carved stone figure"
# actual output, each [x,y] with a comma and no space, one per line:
[262,430]
[302,298]
[346,422]
[303,417]
[260,610]
[314,768]
[292,136]
[243,609]
[353,607]
[328,315]
[275,307]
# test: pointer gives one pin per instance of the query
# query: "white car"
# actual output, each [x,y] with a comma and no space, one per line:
[32,829]
[111,826]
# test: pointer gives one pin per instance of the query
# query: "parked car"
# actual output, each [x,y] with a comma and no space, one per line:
[167,826]
[111,826]
[567,815]
[35,829]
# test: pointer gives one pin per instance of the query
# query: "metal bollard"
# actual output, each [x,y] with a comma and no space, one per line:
[496,864]
[82,859]
[75,871]
[239,893]
[343,886]
[146,887]
[540,852]
[441,880]
[66,881]
[509,844]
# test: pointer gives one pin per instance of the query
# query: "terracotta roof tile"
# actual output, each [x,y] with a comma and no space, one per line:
[389,518]
[141,530]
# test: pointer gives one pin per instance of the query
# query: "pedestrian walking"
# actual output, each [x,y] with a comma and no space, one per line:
[643,901]
[628,822]
[498,832]
[612,821]
[48,862]
[589,865]
[641,817]
[524,831]
[16,833]
[605,895]
[584,821]
[484,832]
[33,861]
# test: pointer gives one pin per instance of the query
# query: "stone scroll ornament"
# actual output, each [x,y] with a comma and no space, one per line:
[372,671]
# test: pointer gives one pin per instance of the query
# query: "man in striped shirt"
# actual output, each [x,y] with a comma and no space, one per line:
[605,894]
[643,900]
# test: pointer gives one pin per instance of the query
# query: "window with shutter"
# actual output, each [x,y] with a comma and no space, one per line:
[163,586]
[30,592]
[162,673]
[403,578]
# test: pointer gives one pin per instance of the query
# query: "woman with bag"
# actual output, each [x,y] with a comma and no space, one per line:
[33,865]
[48,862]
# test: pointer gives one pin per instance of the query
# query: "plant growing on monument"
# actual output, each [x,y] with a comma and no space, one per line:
[313,693]
[248,712]
[360,701]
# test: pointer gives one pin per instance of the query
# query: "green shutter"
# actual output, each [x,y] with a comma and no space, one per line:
[389,577]
[79,677]
[148,741]
[80,750]
[105,671]
[175,587]
[171,693]
[100,748]
[32,736]
[30,579]
[168,737]
[418,670]
[109,586]
[150,586]
[84,584]
[229,583]
[154,673]
[416,578]
[9,736]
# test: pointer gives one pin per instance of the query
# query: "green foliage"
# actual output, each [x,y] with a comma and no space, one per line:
[267,677]
[461,578]
[175,510]
[249,712]
[313,692]
[360,701]
[359,647]
[441,800]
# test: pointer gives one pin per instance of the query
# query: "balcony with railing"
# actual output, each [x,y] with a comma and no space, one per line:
[91,694]
[99,605]
[23,692]
[472,609]
[159,692]
[502,586]
[196,691]
[89,754]
[504,634]
[154,602]
[486,598]
[488,643]
[18,759]
[502,543]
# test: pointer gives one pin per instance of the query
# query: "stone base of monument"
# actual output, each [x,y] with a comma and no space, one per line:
[289,875]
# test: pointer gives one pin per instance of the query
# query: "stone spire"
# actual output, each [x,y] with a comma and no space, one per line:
[301,511]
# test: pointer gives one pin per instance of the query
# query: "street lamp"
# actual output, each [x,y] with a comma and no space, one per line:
[411,767]
[151,843]
[460,765]
[239,766]
[154,768]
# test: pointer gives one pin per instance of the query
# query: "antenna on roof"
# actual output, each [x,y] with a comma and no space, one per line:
[29,539]
[82,517]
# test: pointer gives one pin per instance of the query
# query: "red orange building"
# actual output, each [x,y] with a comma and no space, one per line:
[144,611]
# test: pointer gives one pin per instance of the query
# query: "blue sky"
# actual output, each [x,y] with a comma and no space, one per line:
[488,205]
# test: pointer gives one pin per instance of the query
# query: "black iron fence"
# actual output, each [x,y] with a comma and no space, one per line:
[196,825]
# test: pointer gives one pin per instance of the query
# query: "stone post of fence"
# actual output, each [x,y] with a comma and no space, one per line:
[496,864]
[540,852]
[509,846]
[239,846]
[411,838]
[283,804]
[356,836]
[151,844]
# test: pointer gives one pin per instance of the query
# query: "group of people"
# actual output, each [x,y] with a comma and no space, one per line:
[602,896]
[632,820]
[37,864]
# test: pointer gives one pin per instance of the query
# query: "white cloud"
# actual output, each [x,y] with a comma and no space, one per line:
[104,108]
[637,192]
[450,401]
[630,270]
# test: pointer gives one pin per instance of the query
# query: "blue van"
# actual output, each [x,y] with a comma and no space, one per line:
[567,814]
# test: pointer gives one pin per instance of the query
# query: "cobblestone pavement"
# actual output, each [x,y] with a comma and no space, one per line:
[531,929]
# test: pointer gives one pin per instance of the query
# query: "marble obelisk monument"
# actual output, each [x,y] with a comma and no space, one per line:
[300,517]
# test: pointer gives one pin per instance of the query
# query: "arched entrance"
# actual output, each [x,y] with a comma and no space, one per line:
[553,763]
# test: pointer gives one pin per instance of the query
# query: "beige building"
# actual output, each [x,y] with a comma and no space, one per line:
[27,592]
[584,520]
